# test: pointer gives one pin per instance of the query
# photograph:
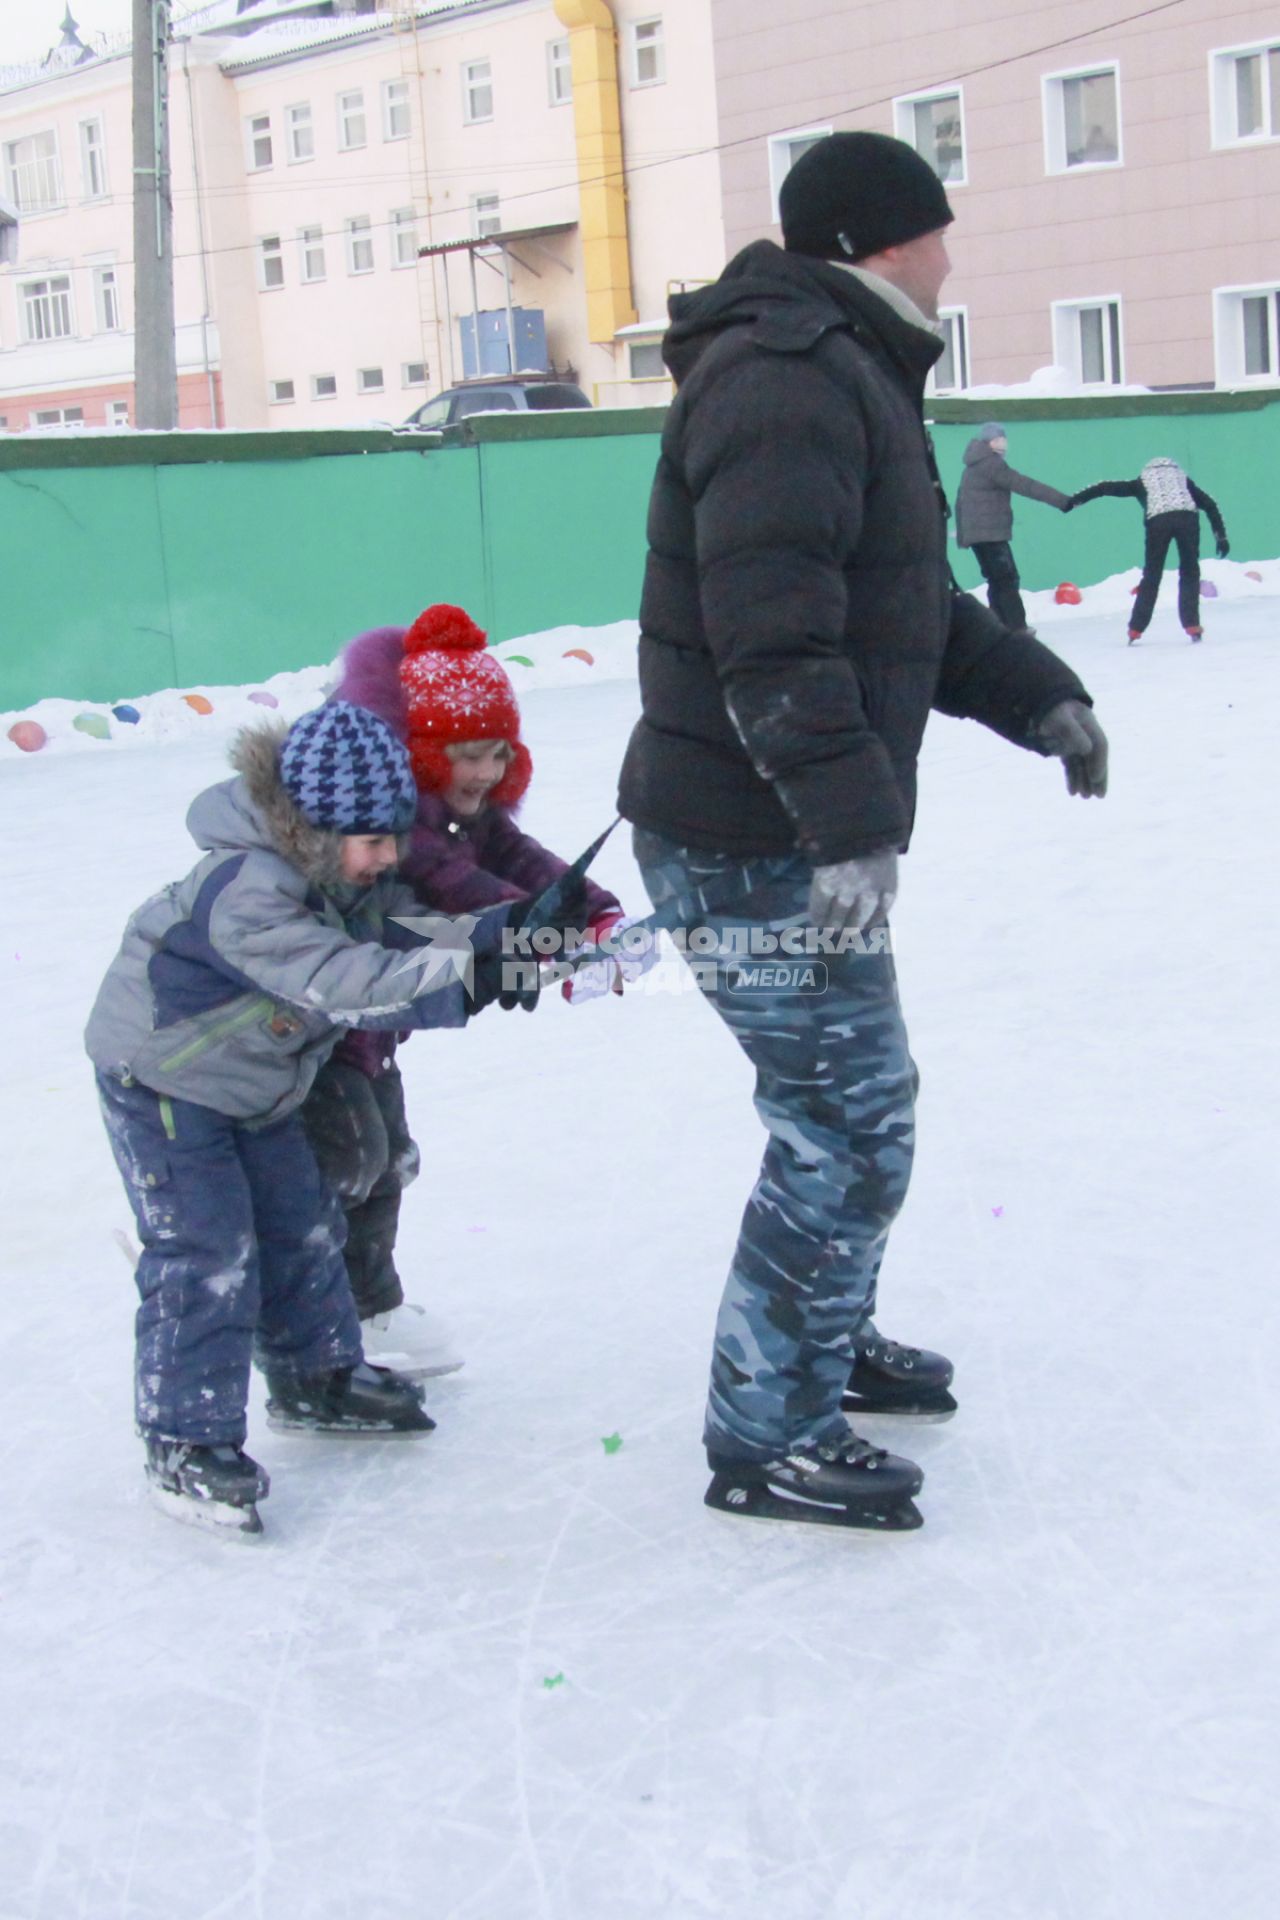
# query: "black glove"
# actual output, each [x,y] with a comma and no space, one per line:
[1224,546]
[1071,501]
[508,978]
[1070,731]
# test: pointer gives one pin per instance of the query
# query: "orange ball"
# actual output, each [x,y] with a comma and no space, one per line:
[198,703]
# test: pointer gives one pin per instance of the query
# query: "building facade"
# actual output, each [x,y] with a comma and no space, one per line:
[368,202]
[1115,175]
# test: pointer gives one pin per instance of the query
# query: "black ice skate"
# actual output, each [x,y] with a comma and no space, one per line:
[362,1399]
[851,1484]
[212,1487]
[889,1378]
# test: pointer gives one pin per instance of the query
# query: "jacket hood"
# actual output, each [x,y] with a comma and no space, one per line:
[792,300]
[253,813]
[978,450]
[371,676]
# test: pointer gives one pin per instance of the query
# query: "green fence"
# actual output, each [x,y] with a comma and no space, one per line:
[137,562]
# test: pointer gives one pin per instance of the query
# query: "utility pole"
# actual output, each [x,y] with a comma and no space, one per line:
[155,364]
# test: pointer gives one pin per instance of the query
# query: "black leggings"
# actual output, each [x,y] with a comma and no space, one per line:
[1164,530]
[1000,572]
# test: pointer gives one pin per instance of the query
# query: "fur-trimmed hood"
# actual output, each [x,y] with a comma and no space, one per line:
[254,811]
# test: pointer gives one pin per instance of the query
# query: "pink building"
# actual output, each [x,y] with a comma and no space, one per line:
[1116,186]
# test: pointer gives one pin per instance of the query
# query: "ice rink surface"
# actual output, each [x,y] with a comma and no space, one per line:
[501,1673]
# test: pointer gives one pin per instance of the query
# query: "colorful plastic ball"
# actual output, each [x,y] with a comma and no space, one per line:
[128,714]
[29,735]
[1208,590]
[516,660]
[1251,573]
[198,703]
[262,698]
[580,653]
[1067,595]
[96,725]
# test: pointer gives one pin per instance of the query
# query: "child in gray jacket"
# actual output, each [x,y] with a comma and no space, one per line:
[984,518]
[229,991]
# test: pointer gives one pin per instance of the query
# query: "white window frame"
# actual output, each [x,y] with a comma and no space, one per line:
[402,223]
[311,245]
[413,373]
[904,125]
[348,115]
[559,73]
[41,171]
[358,232]
[1223,98]
[957,320]
[106,298]
[257,127]
[270,262]
[655,44]
[652,345]
[782,158]
[57,416]
[299,133]
[477,89]
[395,102]
[1052,87]
[370,380]
[276,395]
[1228,335]
[486,214]
[93,158]
[44,299]
[316,394]
[117,413]
[1065,317]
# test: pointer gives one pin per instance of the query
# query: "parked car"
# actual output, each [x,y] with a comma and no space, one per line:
[498,393]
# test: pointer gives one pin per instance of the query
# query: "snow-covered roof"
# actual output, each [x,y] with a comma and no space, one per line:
[283,38]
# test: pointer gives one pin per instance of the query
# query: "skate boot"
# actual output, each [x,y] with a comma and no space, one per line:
[1135,633]
[1194,633]
[361,1399]
[213,1487]
[888,1378]
[850,1484]
[410,1340]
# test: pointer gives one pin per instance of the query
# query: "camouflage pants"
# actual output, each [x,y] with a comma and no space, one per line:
[835,1086]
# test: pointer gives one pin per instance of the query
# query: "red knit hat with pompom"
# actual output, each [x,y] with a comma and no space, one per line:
[458,692]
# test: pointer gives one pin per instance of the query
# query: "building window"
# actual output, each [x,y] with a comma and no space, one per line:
[258,142]
[299,133]
[1086,340]
[404,237]
[270,262]
[933,123]
[784,150]
[93,160]
[280,392]
[324,386]
[559,74]
[648,54]
[413,373]
[352,131]
[310,254]
[1247,332]
[1245,93]
[117,413]
[33,173]
[1082,119]
[477,91]
[46,309]
[951,373]
[395,109]
[58,417]
[486,215]
[646,362]
[359,233]
[106,300]
[369,380]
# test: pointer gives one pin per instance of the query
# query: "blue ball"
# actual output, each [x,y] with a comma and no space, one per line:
[129,715]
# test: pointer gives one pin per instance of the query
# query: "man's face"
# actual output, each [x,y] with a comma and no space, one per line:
[919,268]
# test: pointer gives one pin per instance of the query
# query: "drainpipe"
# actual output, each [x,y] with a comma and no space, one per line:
[210,382]
[602,198]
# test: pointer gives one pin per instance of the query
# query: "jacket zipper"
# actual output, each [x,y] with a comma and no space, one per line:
[194,1048]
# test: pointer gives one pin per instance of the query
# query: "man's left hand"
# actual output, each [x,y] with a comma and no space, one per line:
[1070,731]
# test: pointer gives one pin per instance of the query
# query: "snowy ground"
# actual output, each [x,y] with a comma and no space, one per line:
[504,1674]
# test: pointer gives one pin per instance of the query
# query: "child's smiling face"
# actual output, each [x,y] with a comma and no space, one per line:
[366,856]
[478,765]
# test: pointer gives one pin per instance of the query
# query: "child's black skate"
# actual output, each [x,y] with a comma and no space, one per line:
[852,1484]
[362,1399]
[889,1378]
[212,1487]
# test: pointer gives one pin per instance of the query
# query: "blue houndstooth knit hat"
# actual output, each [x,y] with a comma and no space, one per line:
[344,770]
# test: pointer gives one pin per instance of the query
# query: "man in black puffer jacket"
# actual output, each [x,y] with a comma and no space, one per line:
[798,622]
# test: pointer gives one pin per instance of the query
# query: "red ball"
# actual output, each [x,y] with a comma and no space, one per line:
[29,735]
[1067,595]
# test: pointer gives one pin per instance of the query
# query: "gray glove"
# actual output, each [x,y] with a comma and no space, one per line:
[1070,731]
[854,893]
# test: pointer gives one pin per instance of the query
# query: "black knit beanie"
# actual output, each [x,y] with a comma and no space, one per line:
[854,194]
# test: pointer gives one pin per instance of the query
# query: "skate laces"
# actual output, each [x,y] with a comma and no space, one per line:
[853,1452]
[892,1352]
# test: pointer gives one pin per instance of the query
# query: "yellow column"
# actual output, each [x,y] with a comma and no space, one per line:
[602,197]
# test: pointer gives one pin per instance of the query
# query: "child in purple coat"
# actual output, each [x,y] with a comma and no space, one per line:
[453,705]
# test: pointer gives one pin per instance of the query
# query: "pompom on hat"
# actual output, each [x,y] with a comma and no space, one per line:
[456,693]
[346,772]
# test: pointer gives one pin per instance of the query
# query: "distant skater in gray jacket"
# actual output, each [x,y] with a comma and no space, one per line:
[984,518]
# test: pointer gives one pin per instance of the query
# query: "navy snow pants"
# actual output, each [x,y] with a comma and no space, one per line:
[835,1087]
[241,1256]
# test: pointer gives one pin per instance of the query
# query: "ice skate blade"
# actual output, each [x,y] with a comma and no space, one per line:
[210,1516]
[741,1500]
[417,1369]
[932,1411]
[349,1430]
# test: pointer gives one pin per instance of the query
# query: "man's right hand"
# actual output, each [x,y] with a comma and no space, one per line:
[854,893]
